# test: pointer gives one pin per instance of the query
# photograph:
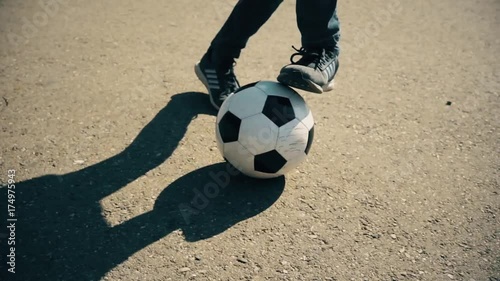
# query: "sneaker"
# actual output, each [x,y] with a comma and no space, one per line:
[313,72]
[219,79]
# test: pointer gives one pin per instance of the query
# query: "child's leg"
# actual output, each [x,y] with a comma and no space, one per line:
[215,70]
[318,23]
[245,19]
[319,26]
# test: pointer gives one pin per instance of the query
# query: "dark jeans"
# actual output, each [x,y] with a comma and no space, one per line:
[317,21]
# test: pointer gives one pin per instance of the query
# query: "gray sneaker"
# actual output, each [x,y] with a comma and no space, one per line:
[313,72]
[219,79]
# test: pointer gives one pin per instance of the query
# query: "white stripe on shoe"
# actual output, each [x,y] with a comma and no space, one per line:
[334,67]
[213,83]
[328,72]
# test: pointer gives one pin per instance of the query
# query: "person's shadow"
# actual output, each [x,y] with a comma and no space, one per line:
[60,233]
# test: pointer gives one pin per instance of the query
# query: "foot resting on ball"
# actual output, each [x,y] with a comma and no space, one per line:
[313,72]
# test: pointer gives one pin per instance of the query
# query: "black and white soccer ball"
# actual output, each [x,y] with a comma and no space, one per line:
[264,129]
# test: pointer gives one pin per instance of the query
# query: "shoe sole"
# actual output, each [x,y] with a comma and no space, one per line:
[203,79]
[297,80]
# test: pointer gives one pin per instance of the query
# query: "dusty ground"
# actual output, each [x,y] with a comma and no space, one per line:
[109,131]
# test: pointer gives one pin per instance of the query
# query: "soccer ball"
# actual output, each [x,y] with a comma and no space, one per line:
[264,129]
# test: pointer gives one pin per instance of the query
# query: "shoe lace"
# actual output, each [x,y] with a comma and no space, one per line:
[230,82]
[315,56]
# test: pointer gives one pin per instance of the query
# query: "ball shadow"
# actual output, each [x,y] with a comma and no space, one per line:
[207,201]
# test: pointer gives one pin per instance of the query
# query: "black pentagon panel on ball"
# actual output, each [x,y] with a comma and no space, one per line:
[269,162]
[229,127]
[279,110]
[310,139]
